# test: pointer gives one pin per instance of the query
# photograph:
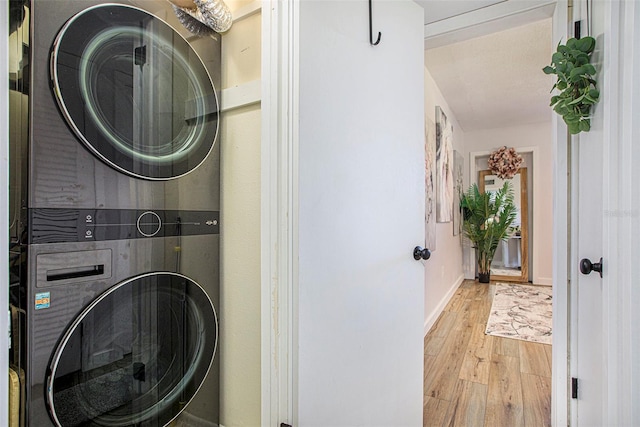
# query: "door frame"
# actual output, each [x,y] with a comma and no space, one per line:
[279,223]
[560,382]
[279,203]
[495,18]
[535,195]
[620,302]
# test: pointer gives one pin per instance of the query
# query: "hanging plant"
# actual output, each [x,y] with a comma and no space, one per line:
[576,83]
[505,162]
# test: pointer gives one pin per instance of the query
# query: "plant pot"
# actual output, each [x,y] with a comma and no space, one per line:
[484,277]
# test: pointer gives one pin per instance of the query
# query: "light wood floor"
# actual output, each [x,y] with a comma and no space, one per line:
[473,379]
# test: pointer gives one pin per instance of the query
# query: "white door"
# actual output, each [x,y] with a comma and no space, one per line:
[586,290]
[360,214]
[605,222]
[587,229]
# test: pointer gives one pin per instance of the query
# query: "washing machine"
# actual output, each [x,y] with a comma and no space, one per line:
[124,332]
[116,199]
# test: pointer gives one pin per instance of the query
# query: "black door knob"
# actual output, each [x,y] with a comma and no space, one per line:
[586,266]
[419,253]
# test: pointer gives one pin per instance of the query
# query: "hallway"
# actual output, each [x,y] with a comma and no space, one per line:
[473,379]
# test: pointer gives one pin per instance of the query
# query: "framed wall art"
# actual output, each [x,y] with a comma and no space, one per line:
[444,167]
[458,181]
[430,184]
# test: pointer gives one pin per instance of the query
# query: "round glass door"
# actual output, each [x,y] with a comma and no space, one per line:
[134,92]
[135,356]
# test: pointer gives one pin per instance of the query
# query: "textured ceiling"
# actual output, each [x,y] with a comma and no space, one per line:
[496,80]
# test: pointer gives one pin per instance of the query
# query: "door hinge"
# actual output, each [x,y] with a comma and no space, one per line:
[574,388]
[285,425]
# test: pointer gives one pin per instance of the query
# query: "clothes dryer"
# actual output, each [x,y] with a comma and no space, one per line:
[124,110]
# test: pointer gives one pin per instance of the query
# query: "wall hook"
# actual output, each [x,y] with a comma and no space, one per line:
[371,29]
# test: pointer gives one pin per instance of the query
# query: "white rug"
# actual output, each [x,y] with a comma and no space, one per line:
[522,312]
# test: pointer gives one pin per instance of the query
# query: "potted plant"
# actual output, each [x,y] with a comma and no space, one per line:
[487,219]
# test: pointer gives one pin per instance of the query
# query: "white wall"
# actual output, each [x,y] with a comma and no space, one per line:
[538,136]
[240,394]
[443,271]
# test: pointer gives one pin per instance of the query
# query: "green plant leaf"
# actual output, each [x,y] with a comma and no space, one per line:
[589,69]
[577,100]
[594,93]
[571,43]
[582,58]
[574,54]
[576,72]
[574,128]
[586,44]
[585,125]
[573,81]
[571,118]
[556,57]
[549,70]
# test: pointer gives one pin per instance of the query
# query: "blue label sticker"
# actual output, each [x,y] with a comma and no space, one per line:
[43,300]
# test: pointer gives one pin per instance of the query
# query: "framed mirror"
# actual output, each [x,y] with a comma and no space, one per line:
[511,260]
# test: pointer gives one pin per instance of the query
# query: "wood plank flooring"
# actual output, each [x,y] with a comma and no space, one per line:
[473,379]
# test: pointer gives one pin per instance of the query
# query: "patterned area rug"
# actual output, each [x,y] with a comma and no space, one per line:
[522,312]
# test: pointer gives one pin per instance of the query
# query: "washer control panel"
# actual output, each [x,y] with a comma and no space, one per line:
[149,224]
[81,225]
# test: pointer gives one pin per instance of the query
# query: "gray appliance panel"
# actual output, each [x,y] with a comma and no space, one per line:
[63,173]
[194,256]
[85,225]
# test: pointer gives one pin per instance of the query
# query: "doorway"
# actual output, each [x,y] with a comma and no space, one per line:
[494,117]
[499,107]
[516,260]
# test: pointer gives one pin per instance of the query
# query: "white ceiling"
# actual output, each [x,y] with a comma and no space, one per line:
[496,80]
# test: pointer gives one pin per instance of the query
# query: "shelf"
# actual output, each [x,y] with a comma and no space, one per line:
[240,96]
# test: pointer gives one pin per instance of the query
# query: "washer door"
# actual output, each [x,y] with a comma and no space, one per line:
[134,92]
[135,356]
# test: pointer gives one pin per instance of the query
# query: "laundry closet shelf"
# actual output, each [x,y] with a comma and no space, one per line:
[240,96]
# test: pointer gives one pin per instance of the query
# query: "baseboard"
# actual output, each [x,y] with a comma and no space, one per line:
[428,323]
[543,281]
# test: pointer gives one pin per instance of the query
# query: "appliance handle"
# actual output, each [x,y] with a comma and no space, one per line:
[74,272]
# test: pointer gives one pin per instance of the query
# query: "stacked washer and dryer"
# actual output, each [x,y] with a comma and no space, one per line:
[119,216]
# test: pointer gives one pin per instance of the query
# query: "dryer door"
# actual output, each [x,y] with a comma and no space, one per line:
[134,92]
[135,356]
